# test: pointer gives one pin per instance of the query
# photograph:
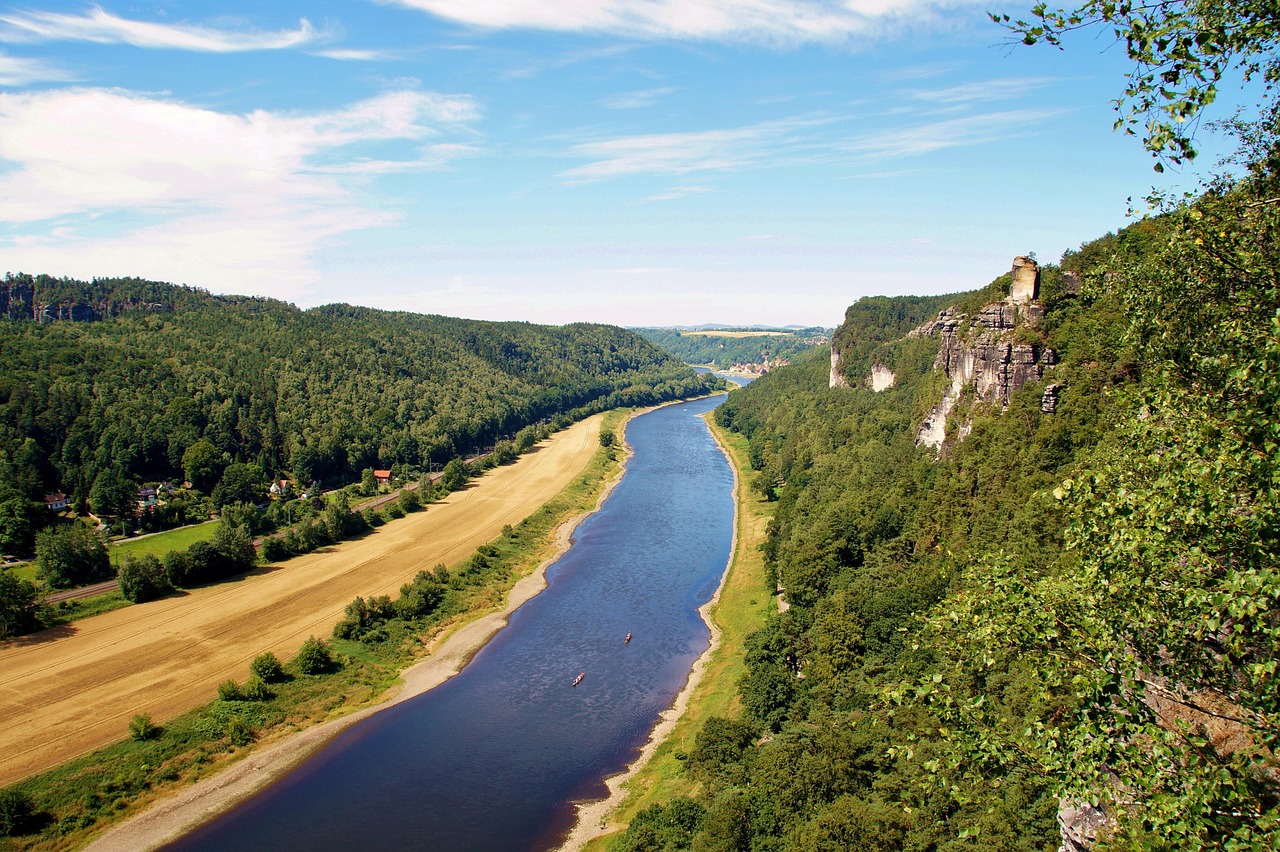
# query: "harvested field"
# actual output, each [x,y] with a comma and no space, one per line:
[72,689]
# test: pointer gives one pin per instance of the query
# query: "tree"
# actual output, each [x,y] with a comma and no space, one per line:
[21,608]
[114,497]
[1181,50]
[313,657]
[19,517]
[266,666]
[240,483]
[71,555]
[143,578]
[203,464]
[455,475]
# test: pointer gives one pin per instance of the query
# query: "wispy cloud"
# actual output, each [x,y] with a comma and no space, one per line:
[918,140]
[356,55]
[767,20]
[21,71]
[114,181]
[726,149]
[979,91]
[678,192]
[637,100]
[97,25]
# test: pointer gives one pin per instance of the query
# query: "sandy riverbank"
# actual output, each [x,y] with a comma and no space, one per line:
[203,801]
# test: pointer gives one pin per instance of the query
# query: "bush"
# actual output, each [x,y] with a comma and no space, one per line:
[143,578]
[141,728]
[393,510]
[22,609]
[409,501]
[179,568]
[275,550]
[267,667]
[17,813]
[229,690]
[238,732]
[255,690]
[313,658]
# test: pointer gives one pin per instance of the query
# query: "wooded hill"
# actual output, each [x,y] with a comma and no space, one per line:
[1062,626]
[725,350]
[160,382]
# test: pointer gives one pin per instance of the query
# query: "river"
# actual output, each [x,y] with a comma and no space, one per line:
[495,758]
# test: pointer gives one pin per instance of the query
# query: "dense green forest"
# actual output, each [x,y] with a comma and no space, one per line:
[164,383]
[724,350]
[1064,627]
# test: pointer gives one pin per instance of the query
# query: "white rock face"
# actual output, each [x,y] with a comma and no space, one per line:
[837,378]
[881,378]
[1026,281]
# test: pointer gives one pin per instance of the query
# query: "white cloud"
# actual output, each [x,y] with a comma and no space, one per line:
[769,20]
[356,55]
[144,186]
[678,192]
[637,100]
[102,27]
[20,71]
[979,91]
[954,133]
[682,153]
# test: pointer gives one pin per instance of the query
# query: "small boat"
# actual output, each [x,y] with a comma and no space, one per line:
[579,678]
[628,639]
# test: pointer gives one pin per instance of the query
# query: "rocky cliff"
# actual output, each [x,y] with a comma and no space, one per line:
[983,355]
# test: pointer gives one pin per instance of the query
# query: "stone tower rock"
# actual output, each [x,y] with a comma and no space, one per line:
[1026,281]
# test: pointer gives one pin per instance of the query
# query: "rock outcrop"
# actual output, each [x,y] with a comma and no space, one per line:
[837,379]
[981,352]
[1025,286]
[1079,824]
[881,378]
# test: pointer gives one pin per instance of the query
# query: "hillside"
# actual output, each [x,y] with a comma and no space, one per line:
[148,382]
[1029,543]
[725,348]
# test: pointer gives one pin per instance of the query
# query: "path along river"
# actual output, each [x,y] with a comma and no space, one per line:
[495,758]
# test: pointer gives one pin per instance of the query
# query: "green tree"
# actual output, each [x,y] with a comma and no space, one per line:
[313,658]
[203,464]
[114,497]
[456,473]
[19,519]
[267,667]
[1181,50]
[21,608]
[240,483]
[71,555]
[143,578]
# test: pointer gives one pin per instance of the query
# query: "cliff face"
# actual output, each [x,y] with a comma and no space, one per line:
[981,355]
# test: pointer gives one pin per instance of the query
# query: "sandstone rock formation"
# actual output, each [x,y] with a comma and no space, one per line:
[881,378]
[837,379]
[1026,281]
[981,352]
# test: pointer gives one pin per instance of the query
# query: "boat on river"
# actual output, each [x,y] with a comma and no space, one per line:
[579,678]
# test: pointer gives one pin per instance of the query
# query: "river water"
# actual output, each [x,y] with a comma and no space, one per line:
[495,758]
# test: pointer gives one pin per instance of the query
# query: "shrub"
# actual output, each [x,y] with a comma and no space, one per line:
[142,728]
[255,689]
[229,690]
[373,518]
[409,501]
[267,667]
[394,510]
[275,550]
[313,658]
[17,812]
[238,732]
[179,568]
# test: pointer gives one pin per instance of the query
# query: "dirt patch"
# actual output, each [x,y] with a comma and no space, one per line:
[67,696]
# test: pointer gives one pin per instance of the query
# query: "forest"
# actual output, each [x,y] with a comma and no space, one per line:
[113,384]
[1063,627]
[723,350]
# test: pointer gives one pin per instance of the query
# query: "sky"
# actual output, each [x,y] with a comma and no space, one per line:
[635,162]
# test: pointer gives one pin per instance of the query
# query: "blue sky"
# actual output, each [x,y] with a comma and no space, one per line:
[639,163]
